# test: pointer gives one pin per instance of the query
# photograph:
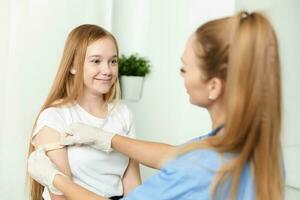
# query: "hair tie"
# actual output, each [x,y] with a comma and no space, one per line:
[244,14]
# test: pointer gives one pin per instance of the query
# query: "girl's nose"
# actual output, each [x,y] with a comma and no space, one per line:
[105,69]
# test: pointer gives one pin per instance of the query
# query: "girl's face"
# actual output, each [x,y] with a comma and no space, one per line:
[100,68]
[196,86]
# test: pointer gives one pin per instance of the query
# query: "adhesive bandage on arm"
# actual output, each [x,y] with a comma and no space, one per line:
[51,146]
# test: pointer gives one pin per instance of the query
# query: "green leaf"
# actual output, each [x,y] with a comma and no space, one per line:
[134,65]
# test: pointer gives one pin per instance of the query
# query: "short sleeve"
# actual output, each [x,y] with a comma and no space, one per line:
[131,126]
[177,180]
[126,118]
[51,118]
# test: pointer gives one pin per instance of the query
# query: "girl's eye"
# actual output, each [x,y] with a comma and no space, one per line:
[96,61]
[114,61]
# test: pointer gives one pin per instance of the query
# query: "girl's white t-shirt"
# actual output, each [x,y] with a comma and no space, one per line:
[94,170]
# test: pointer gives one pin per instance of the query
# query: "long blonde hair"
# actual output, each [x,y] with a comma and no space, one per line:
[243,51]
[67,87]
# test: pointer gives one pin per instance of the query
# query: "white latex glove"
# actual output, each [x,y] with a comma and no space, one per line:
[43,170]
[78,133]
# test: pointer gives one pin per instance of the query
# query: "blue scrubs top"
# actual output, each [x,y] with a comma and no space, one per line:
[189,177]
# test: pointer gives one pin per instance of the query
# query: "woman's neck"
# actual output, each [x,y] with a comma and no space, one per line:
[217,115]
[94,104]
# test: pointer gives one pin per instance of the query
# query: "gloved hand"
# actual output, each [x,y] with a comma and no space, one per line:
[78,133]
[43,170]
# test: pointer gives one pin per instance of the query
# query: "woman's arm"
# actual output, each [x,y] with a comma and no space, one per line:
[59,157]
[151,154]
[132,177]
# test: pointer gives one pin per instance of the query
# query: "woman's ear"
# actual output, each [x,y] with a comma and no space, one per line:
[215,88]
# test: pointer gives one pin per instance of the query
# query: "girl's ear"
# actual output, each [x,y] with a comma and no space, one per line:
[73,71]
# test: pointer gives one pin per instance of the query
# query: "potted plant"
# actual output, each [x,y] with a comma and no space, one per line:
[132,71]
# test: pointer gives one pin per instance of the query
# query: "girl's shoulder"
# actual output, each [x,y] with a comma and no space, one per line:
[54,111]
[120,109]
[121,113]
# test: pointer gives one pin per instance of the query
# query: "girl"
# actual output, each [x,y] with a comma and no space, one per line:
[231,68]
[86,90]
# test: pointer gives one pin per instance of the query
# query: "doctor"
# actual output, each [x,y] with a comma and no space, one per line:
[230,66]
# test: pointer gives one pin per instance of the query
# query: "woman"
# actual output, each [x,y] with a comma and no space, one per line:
[231,68]
[86,90]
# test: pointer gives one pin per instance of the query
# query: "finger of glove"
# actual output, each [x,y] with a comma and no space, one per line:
[75,126]
[68,131]
[67,140]
[36,155]
[35,159]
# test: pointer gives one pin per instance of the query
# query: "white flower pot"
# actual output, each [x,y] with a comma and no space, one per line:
[132,87]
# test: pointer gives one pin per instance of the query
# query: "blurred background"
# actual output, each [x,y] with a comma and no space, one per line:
[32,36]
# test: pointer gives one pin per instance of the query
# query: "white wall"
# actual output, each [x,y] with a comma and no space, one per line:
[285,17]
[32,37]
[4,12]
